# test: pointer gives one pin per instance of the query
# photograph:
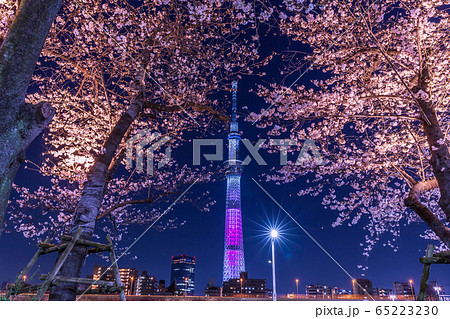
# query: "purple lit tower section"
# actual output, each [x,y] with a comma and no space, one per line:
[234,262]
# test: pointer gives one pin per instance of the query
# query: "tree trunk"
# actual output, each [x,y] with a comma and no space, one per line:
[93,193]
[21,123]
[440,155]
[413,202]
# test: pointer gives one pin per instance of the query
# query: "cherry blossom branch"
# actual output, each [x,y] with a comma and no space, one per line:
[132,202]
[195,106]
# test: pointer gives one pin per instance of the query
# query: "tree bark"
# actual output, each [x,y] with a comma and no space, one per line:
[440,155]
[94,190]
[21,123]
[413,202]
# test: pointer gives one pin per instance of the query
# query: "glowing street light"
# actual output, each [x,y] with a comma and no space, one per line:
[296,284]
[412,288]
[274,233]
[273,236]
[241,280]
[438,290]
[130,292]
[185,286]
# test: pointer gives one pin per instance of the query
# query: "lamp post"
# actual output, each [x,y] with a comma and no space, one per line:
[296,284]
[273,235]
[412,289]
[353,286]
[131,286]
[185,286]
[241,280]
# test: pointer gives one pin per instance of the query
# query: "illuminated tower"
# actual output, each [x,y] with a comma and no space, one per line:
[233,263]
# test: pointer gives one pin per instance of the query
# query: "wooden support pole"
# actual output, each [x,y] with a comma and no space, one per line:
[83,281]
[58,265]
[101,290]
[83,242]
[98,250]
[31,263]
[54,248]
[24,272]
[434,260]
[425,275]
[442,254]
[115,267]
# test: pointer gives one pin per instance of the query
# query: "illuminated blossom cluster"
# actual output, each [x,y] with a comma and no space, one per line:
[379,112]
[90,71]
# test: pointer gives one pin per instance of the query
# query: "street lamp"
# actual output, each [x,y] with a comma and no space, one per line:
[353,286]
[241,280]
[412,289]
[296,284]
[130,292]
[273,236]
[185,286]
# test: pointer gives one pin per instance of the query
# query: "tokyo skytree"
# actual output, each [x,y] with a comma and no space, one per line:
[233,263]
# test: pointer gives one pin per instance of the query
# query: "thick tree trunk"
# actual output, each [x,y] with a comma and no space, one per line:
[94,191]
[21,123]
[413,202]
[440,155]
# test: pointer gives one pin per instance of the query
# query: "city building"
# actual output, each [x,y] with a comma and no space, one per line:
[362,286]
[243,286]
[146,285]
[383,292]
[183,274]
[320,291]
[434,291]
[403,289]
[162,286]
[233,263]
[342,291]
[211,290]
[128,276]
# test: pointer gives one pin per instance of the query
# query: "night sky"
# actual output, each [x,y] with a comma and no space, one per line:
[202,236]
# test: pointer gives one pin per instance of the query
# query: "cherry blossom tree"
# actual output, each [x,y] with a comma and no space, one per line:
[113,71]
[24,26]
[379,112]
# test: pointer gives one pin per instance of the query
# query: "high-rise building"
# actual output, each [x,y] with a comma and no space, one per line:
[362,286]
[162,286]
[320,291]
[382,292]
[403,289]
[244,286]
[211,290]
[183,274]
[128,276]
[146,285]
[233,263]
